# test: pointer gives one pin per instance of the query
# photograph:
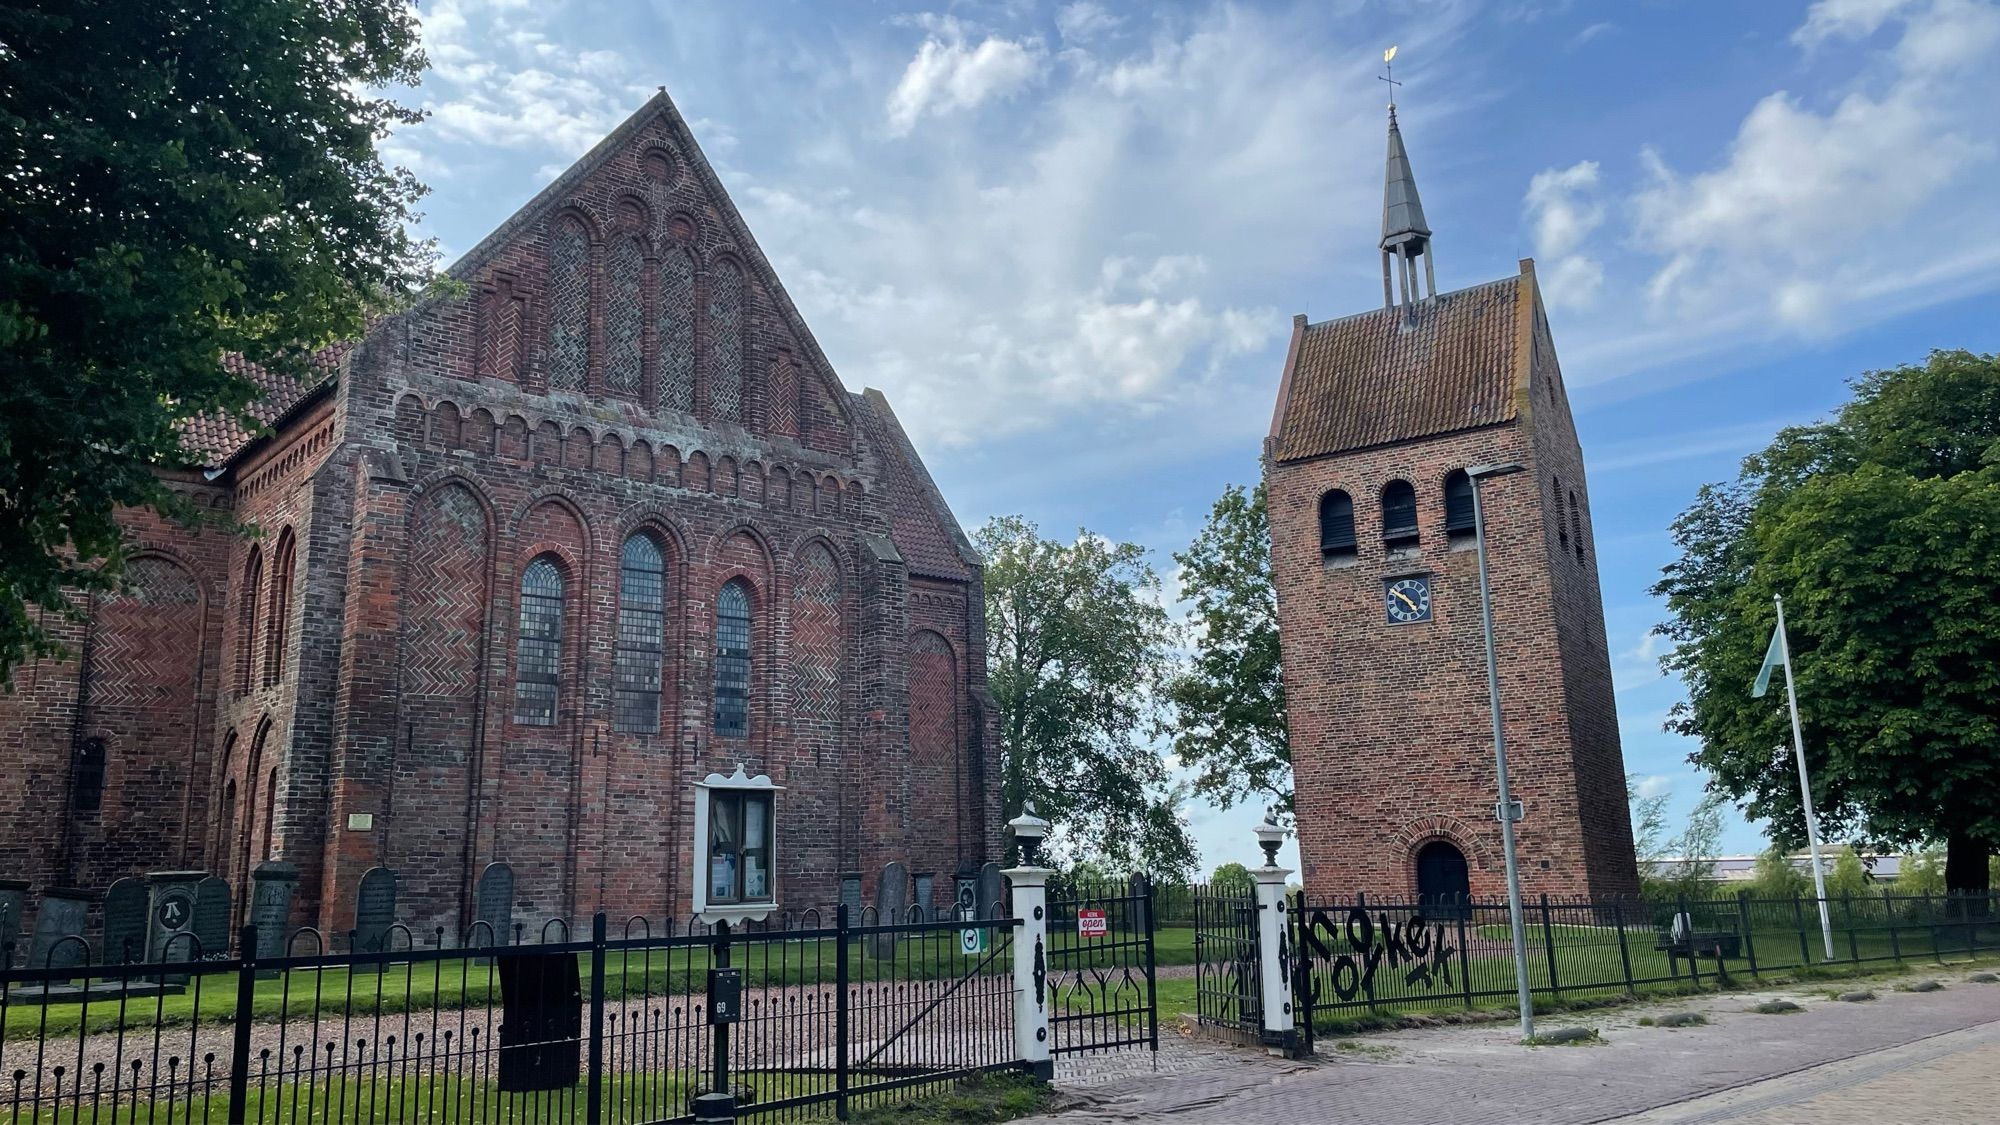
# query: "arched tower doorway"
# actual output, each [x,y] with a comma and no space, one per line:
[1442,879]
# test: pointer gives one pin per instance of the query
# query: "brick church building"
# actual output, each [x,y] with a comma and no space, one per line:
[533,559]
[1379,415]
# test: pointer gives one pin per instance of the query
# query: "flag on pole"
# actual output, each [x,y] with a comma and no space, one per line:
[1773,657]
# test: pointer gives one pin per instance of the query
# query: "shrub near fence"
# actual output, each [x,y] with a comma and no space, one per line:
[1363,955]
[610,1029]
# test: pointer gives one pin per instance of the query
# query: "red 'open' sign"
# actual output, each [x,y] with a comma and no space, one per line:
[1090,923]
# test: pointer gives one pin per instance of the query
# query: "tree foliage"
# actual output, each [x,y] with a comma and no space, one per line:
[1229,704]
[1694,849]
[1776,877]
[1078,647]
[1233,878]
[184,180]
[1881,528]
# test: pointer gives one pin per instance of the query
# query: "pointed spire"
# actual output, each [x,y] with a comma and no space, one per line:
[1405,234]
[1402,210]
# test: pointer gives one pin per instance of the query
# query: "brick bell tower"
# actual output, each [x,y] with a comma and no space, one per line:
[1373,555]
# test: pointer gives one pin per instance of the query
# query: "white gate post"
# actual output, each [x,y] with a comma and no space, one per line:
[1030,883]
[1274,983]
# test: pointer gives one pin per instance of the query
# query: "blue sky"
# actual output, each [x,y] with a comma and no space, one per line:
[1067,238]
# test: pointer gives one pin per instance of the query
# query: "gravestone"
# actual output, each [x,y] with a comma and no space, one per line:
[850,897]
[13,896]
[271,888]
[374,913]
[892,904]
[992,891]
[211,916]
[495,907]
[925,907]
[57,919]
[124,923]
[169,915]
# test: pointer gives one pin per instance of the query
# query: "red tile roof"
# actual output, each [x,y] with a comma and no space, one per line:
[217,437]
[1379,377]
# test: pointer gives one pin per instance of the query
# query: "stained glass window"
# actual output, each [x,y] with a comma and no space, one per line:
[642,616]
[539,655]
[732,660]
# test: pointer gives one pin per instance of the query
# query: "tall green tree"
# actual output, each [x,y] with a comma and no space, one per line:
[1881,528]
[182,180]
[1078,647]
[1229,703]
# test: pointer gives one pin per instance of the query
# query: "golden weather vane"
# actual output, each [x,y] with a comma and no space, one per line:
[1389,75]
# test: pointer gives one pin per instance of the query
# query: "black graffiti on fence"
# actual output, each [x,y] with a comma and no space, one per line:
[1355,950]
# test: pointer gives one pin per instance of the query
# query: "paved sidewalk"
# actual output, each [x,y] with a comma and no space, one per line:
[1479,1073]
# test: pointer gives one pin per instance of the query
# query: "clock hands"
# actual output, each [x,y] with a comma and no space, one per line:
[1406,599]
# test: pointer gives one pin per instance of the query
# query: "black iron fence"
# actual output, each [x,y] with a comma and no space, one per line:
[609,1029]
[1101,968]
[1367,955]
[1228,991]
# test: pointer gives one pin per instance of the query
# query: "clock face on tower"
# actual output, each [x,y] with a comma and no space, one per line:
[1408,599]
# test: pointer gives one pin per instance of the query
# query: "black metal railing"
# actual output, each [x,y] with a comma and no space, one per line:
[1368,955]
[1101,964]
[1227,964]
[603,1029]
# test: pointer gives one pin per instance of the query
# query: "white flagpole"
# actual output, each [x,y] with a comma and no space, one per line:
[1805,783]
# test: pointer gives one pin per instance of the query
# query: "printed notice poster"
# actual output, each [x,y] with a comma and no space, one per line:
[1091,923]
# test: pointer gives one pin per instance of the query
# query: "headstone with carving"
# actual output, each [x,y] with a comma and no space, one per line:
[58,919]
[374,913]
[892,905]
[124,940]
[13,897]
[992,891]
[271,889]
[170,919]
[923,907]
[495,907]
[211,916]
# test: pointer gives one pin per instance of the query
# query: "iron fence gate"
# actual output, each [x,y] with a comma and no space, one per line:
[1101,967]
[609,1029]
[1227,962]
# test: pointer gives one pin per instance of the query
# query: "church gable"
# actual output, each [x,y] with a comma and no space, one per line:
[632,281]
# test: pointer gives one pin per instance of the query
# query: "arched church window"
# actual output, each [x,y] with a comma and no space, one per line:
[1399,515]
[625,318]
[538,655]
[247,620]
[1458,522]
[642,618]
[725,322]
[1336,524]
[732,660]
[282,565]
[569,306]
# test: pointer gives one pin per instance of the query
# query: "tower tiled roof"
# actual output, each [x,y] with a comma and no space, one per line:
[1453,362]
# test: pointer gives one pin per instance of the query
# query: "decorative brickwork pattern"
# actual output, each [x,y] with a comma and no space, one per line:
[503,317]
[818,637]
[625,318]
[784,395]
[676,331]
[278,631]
[448,559]
[725,326]
[569,306]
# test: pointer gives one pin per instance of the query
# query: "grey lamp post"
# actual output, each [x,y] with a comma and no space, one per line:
[1506,810]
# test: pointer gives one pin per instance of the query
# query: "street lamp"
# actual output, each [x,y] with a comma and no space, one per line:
[1506,810]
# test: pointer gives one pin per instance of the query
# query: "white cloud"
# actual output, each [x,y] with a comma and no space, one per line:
[1654,785]
[1833,206]
[1562,205]
[1845,19]
[1085,20]
[497,82]
[950,74]
[1589,33]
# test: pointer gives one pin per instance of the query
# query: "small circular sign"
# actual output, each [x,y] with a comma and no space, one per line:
[175,911]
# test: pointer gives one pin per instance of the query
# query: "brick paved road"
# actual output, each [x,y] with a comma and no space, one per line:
[1832,1052]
